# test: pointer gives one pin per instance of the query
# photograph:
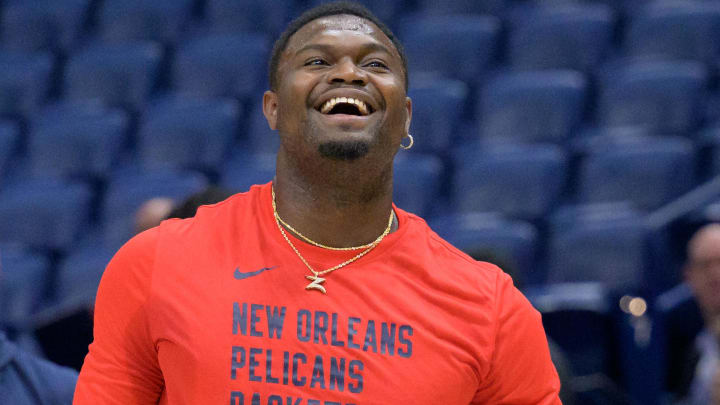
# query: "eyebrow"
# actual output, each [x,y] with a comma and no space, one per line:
[367,47]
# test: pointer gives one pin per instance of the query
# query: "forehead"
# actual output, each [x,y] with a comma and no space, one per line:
[334,30]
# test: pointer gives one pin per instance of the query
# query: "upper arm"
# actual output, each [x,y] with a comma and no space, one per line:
[122,366]
[521,372]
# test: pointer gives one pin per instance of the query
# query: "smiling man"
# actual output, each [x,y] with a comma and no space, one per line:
[315,289]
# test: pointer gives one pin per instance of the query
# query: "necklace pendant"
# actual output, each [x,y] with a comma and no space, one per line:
[315,285]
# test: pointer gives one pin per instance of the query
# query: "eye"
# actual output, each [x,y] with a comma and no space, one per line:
[376,64]
[315,62]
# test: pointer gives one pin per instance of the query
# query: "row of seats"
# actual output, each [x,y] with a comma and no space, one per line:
[519,181]
[540,106]
[675,28]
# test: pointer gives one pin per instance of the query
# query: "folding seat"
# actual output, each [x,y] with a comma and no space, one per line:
[9,138]
[660,96]
[418,180]
[139,20]
[539,106]
[438,105]
[569,37]
[44,213]
[78,278]
[675,30]
[24,278]
[244,169]
[76,139]
[130,187]
[121,75]
[387,11]
[49,25]
[260,138]
[25,82]
[613,251]
[258,16]
[185,132]
[524,181]
[647,172]
[708,140]
[578,317]
[430,7]
[229,65]
[510,244]
[461,47]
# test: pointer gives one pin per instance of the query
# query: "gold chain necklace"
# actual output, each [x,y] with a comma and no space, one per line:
[315,279]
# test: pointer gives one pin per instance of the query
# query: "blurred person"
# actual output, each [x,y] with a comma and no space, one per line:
[315,288]
[702,273]
[28,380]
[152,212]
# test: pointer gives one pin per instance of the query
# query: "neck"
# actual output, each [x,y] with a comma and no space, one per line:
[336,203]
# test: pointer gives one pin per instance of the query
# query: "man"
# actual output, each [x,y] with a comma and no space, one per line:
[702,273]
[315,289]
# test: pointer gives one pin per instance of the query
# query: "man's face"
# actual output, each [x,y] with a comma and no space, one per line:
[703,270]
[341,91]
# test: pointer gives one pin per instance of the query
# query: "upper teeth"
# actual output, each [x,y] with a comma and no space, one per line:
[328,105]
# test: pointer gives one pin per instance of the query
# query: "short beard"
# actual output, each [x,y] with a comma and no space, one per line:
[346,150]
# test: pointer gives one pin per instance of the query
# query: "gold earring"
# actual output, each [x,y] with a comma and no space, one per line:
[410,145]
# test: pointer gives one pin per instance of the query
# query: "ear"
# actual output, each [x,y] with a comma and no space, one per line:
[408,106]
[270,107]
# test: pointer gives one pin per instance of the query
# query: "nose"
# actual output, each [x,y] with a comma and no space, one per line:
[346,71]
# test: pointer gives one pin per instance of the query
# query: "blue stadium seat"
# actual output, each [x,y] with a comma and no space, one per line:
[418,180]
[82,140]
[438,105]
[130,187]
[675,30]
[539,106]
[229,65]
[184,132]
[578,317]
[431,7]
[79,276]
[387,11]
[9,138]
[524,181]
[648,172]
[459,47]
[25,275]
[260,137]
[248,15]
[609,250]
[575,37]
[512,244]
[245,169]
[49,25]
[664,97]
[709,141]
[122,75]
[44,213]
[25,82]
[140,20]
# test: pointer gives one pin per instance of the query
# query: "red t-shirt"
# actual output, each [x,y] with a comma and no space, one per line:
[214,310]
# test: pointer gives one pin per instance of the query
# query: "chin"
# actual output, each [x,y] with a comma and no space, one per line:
[344,150]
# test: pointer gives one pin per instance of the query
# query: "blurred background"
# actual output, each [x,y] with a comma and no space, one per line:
[574,143]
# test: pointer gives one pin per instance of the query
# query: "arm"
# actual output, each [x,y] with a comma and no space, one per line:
[122,366]
[521,372]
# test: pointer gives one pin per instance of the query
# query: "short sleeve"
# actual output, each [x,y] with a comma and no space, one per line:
[521,372]
[122,365]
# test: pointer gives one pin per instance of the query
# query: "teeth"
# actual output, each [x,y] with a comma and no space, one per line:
[364,109]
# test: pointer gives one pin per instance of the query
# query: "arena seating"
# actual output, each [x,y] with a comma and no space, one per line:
[548,134]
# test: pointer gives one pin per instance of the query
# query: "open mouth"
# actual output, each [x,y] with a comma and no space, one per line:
[347,106]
